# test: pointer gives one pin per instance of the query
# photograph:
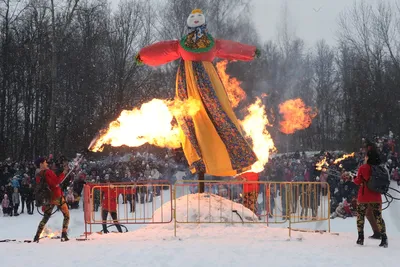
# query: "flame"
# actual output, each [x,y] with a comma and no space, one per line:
[343,158]
[47,232]
[232,85]
[296,115]
[321,164]
[254,125]
[152,124]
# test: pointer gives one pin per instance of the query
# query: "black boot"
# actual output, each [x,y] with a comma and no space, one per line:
[360,240]
[64,237]
[119,228]
[384,243]
[36,238]
[376,235]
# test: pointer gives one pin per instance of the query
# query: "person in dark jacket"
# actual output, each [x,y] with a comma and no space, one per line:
[369,199]
[30,199]
[24,191]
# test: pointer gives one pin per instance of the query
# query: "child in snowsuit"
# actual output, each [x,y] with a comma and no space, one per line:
[5,204]
[339,212]
[70,198]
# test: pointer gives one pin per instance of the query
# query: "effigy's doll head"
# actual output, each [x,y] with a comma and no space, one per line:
[197,37]
[196,19]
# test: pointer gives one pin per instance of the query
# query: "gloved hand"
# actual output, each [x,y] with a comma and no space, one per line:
[257,53]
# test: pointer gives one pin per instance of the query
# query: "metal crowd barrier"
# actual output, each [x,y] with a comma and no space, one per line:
[310,203]
[275,203]
[133,202]
[250,202]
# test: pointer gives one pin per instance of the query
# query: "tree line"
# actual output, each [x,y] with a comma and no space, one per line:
[67,69]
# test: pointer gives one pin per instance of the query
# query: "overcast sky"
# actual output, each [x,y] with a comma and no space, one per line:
[312,20]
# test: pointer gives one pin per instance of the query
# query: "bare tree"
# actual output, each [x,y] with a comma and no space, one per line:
[57,36]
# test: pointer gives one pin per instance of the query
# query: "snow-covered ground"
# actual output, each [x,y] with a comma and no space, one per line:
[195,245]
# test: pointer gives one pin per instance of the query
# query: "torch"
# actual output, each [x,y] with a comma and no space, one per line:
[75,163]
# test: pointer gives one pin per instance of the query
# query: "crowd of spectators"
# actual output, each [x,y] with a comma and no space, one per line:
[17,178]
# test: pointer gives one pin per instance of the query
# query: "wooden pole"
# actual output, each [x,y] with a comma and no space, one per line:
[201,184]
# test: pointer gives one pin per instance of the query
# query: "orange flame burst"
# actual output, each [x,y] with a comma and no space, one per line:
[296,115]
[320,165]
[47,232]
[152,124]
[254,125]
[343,158]
[232,85]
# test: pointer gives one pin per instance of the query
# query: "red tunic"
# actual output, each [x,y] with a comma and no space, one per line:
[53,181]
[110,196]
[364,194]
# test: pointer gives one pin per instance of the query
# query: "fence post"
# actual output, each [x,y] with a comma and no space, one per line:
[288,205]
[329,208]
[174,207]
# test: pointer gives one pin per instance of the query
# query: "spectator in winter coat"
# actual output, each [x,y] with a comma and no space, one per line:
[10,191]
[5,204]
[29,199]
[369,199]
[24,191]
[15,200]
[15,182]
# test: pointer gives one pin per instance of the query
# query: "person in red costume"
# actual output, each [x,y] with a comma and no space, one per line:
[250,190]
[53,181]
[109,204]
[212,139]
[368,199]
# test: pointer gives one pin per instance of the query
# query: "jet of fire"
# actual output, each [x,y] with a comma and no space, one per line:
[152,124]
[296,115]
[343,158]
[320,165]
[232,86]
[254,125]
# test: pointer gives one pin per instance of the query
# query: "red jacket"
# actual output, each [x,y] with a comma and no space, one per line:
[364,194]
[251,177]
[53,181]
[110,195]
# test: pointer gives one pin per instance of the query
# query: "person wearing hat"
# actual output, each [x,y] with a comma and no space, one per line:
[53,181]
[368,199]
[212,139]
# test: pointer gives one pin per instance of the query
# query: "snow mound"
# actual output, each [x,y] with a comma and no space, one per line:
[205,208]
